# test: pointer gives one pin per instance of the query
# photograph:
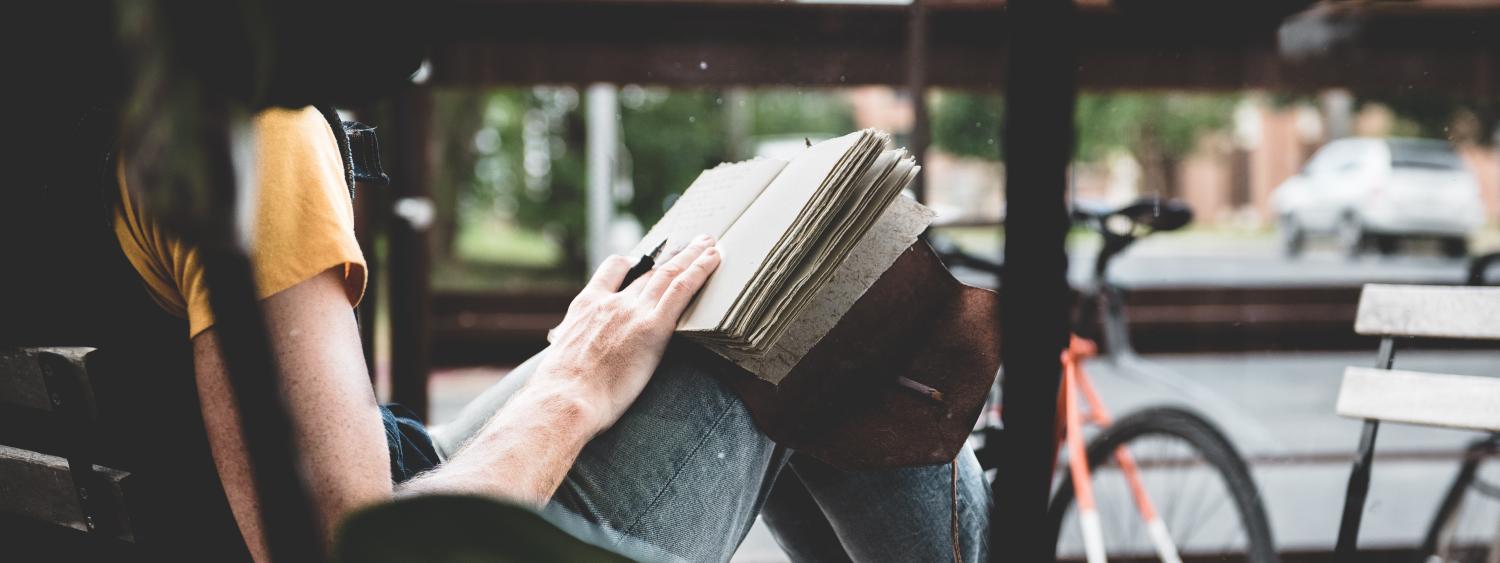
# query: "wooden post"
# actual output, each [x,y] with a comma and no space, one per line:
[1034,312]
[409,268]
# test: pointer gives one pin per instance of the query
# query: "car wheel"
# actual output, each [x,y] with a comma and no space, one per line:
[1457,247]
[1351,236]
[1293,236]
[1386,244]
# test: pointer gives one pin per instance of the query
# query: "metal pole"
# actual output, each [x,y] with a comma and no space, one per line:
[1359,475]
[603,140]
[1040,94]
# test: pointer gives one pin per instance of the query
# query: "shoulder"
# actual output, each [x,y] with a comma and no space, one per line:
[298,141]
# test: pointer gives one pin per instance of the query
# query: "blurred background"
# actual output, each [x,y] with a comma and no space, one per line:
[537,140]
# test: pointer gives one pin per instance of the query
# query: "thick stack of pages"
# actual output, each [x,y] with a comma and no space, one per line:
[785,229]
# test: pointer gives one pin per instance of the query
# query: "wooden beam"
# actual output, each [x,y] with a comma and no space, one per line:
[1436,48]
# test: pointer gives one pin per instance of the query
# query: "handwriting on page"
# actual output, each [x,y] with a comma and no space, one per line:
[715,200]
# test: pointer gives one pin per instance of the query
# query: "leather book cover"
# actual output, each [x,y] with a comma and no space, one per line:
[898,381]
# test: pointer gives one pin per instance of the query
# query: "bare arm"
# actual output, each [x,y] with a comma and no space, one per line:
[607,348]
[604,352]
[338,430]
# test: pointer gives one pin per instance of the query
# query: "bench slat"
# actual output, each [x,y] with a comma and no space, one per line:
[23,377]
[1452,401]
[21,380]
[40,487]
[1430,311]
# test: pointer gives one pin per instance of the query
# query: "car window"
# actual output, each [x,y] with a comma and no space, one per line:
[1431,155]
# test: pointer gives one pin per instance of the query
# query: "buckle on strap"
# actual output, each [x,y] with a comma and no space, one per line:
[364,154]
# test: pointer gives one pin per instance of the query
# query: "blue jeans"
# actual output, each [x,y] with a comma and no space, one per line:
[685,472]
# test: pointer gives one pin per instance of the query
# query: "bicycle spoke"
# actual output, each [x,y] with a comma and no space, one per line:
[1188,490]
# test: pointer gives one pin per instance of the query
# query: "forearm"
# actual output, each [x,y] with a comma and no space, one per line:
[523,452]
[604,352]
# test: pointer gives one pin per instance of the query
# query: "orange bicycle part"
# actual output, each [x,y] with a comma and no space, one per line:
[1076,382]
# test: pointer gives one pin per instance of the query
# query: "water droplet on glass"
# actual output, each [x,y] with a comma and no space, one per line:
[692,119]
[702,65]
[719,101]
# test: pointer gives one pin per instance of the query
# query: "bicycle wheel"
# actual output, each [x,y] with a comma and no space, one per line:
[1464,528]
[1199,484]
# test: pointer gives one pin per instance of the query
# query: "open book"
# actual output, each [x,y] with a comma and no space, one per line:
[788,232]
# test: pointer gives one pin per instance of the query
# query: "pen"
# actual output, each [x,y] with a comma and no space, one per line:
[647,261]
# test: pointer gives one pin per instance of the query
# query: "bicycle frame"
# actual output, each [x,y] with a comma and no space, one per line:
[1075,383]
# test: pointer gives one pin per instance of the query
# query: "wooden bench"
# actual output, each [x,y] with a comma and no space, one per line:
[47,477]
[1384,394]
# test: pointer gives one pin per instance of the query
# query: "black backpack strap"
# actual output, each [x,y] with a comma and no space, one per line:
[359,149]
[364,154]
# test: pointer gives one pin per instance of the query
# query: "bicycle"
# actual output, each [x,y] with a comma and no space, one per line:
[1155,458]
[1463,529]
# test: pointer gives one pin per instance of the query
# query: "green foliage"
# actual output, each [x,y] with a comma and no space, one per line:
[1171,123]
[787,112]
[528,159]
[671,136]
[531,166]
[1435,116]
[967,124]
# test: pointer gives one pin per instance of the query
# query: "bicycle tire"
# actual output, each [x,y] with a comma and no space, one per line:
[1438,542]
[1208,442]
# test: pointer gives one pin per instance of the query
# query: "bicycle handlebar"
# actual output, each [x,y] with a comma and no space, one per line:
[1120,226]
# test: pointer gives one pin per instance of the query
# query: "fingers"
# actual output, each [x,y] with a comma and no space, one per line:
[664,273]
[680,291]
[609,275]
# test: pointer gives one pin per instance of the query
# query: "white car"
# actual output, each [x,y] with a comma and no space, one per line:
[1370,191]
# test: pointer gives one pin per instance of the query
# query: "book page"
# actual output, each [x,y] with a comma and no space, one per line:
[895,231]
[708,207]
[749,240]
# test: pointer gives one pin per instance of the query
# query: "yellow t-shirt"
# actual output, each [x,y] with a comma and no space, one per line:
[304,222]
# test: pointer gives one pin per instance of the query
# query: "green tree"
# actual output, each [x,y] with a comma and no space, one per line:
[528,153]
[530,165]
[460,111]
[671,136]
[1435,117]
[1157,129]
[799,111]
[967,124]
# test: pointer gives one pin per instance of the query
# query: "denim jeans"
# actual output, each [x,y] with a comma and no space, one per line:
[685,472]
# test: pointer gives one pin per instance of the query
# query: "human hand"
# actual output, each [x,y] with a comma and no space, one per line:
[609,343]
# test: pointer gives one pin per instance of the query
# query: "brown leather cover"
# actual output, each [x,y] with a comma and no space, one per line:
[844,402]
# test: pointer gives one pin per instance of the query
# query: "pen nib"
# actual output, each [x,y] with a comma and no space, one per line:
[656,252]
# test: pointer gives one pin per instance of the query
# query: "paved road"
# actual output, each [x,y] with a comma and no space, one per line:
[1278,405]
[1198,259]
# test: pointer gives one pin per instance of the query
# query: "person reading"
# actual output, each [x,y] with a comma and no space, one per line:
[609,431]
